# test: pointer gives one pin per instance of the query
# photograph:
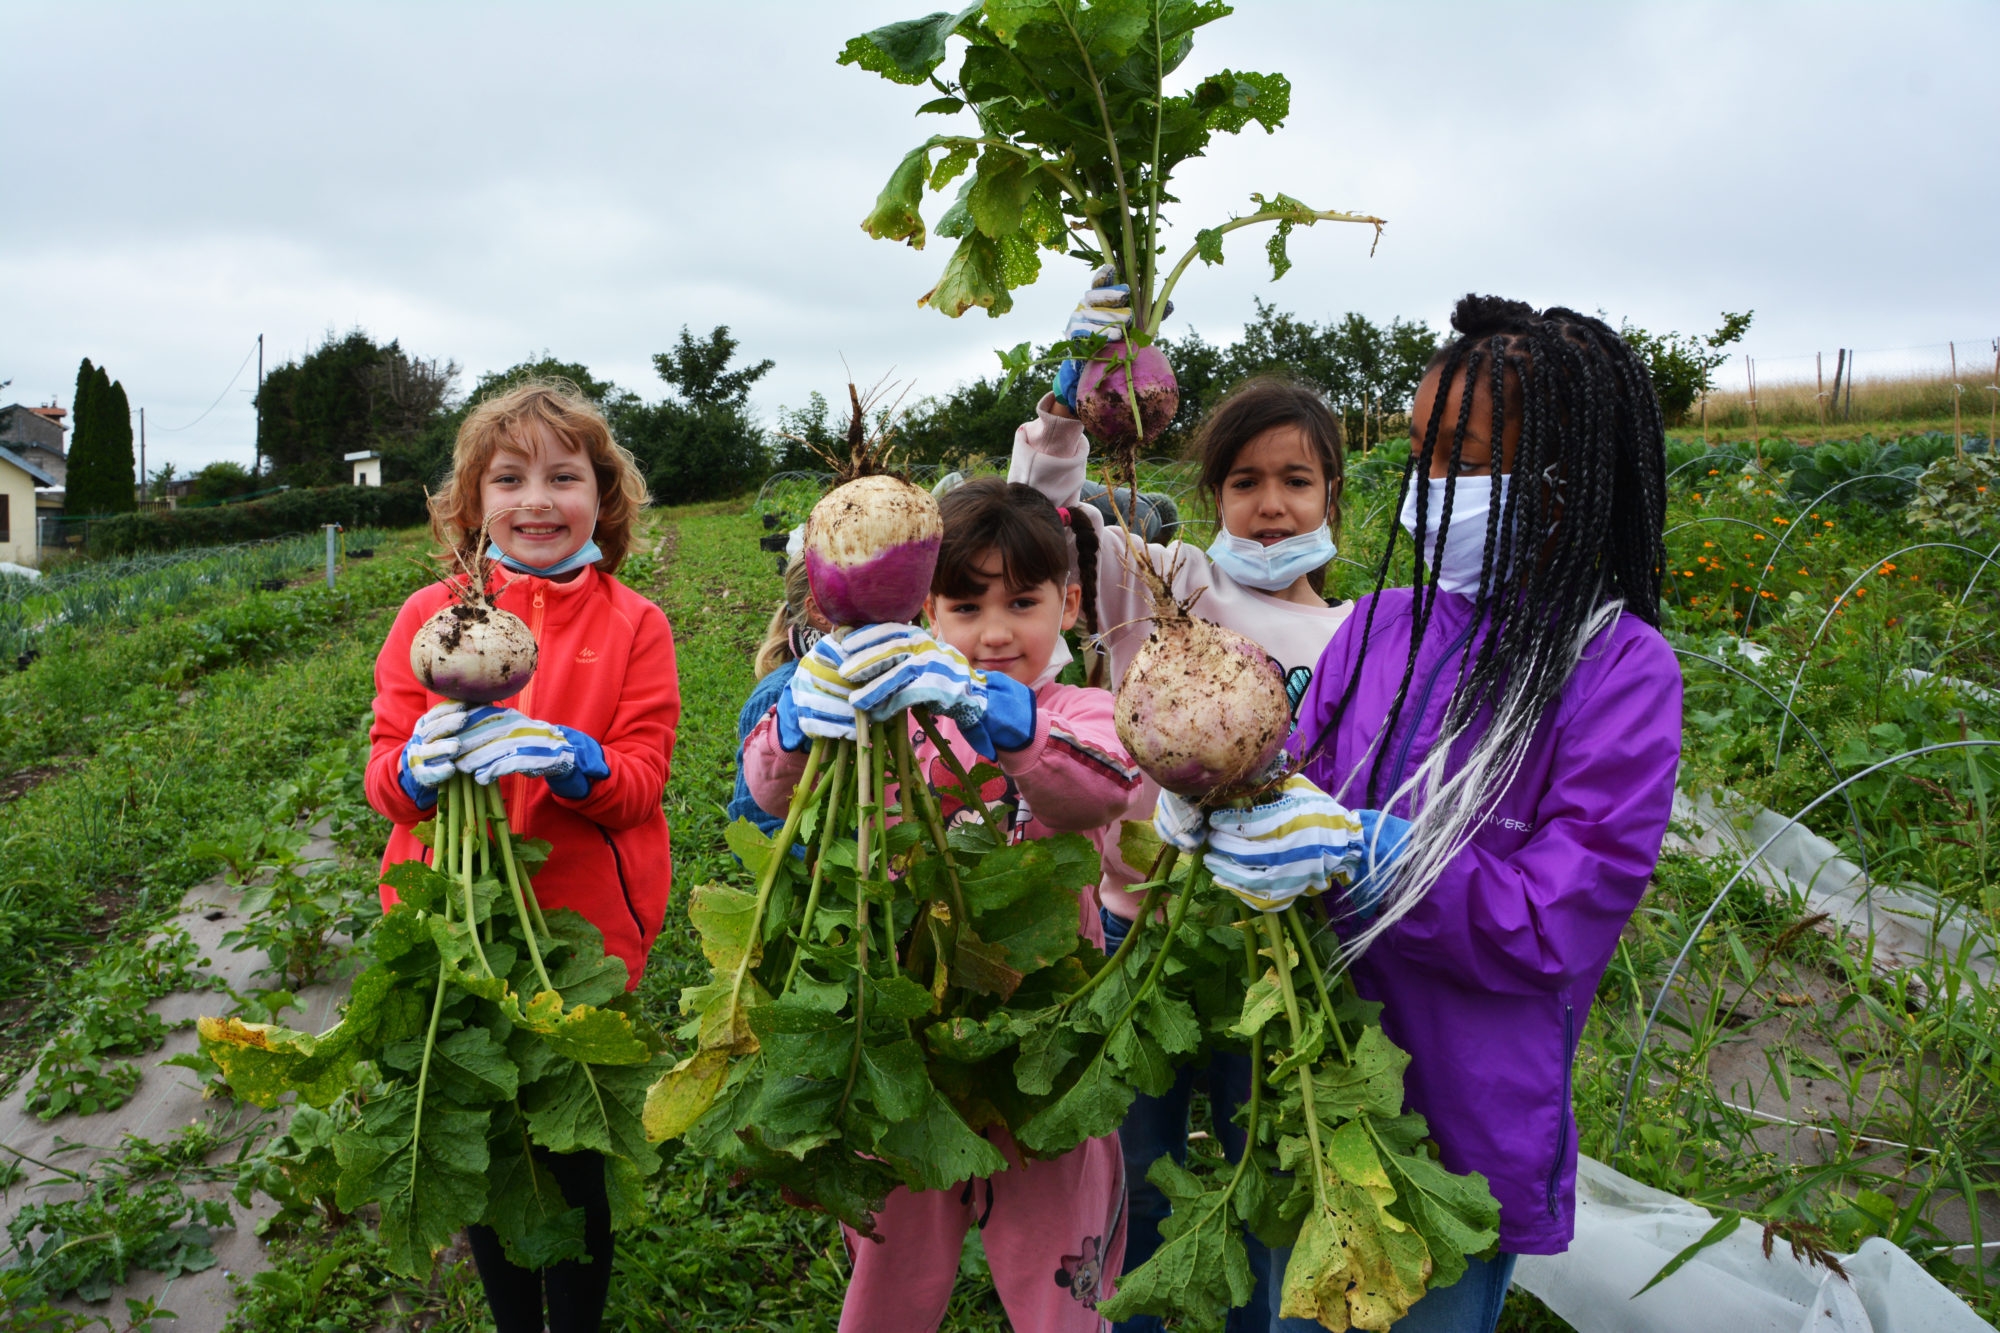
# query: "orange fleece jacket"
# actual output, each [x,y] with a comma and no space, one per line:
[606,668]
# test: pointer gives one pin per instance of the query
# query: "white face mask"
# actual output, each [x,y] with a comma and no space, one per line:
[1464,556]
[1058,659]
[1275,567]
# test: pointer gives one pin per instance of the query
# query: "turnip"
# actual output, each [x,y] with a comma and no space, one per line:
[1202,709]
[472,651]
[1110,390]
[871,546]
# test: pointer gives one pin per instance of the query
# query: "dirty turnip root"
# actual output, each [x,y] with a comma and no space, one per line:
[1114,385]
[1202,709]
[472,651]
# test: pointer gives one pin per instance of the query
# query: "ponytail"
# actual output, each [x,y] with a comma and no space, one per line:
[1084,532]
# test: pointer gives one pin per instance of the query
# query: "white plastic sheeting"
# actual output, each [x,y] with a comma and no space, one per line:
[1911,922]
[1626,1232]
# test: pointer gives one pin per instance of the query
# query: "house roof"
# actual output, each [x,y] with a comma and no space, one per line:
[41,478]
[360,455]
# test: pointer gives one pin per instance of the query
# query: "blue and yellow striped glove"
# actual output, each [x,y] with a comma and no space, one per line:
[816,702]
[894,667]
[1298,842]
[499,741]
[431,754]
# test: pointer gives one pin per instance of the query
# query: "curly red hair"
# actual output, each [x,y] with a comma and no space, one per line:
[518,421]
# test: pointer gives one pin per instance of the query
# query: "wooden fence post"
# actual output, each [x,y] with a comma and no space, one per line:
[1819,398]
[1957,429]
[1756,435]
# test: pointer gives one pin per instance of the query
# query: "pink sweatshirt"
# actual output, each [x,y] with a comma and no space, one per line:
[1052,454]
[1073,777]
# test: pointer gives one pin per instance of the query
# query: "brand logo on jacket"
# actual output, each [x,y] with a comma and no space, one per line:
[586,656]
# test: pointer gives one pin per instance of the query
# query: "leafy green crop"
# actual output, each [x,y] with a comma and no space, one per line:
[477,1033]
[1078,141]
[880,1001]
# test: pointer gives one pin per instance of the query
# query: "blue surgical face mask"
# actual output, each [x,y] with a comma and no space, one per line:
[1275,567]
[586,554]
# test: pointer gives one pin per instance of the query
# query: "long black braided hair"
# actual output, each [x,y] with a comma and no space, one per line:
[1575,542]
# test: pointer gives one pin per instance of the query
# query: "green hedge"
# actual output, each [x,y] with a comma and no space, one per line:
[398,505]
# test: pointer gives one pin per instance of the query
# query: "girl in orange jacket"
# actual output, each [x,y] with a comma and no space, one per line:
[581,754]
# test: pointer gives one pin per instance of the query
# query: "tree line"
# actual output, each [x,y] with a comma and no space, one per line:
[700,440]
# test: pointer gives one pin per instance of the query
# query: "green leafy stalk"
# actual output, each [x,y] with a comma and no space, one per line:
[524,896]
[843,754]
[803,797]
[524,892]
[1304,940]
[1163,867]
[423,1082]
[881,764]
[1131,254]
[1208,241]
[867,800]
[466,804]
[912,790]
[1274,935]
[967,792]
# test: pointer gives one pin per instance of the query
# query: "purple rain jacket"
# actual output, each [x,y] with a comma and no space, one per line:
[1487,982]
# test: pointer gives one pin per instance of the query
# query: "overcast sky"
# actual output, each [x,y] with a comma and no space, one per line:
[485,181]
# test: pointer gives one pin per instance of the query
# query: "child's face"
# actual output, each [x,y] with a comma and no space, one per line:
[1476,458]
[1005,631]
[558,487]
[1276,488]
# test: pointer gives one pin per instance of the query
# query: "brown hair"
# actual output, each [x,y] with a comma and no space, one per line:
[789,617]
[1026,528]
[1261,404]
[517,421]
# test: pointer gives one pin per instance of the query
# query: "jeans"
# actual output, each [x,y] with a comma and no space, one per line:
[575,1289]
[1469,1305]
[1157,1127]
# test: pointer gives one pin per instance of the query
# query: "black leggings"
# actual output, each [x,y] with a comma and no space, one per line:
[575,1290]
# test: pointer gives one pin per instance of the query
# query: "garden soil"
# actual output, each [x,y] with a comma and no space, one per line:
[168,1099]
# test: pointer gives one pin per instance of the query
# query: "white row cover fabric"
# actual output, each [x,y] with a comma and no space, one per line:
[1626,1232]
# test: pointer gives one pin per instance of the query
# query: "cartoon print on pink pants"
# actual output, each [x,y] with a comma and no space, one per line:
[1083,1273]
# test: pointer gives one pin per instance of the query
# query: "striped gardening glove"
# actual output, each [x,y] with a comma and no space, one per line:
[1298,842]
[499,741]
[893,667]
[431,754]
[816,702]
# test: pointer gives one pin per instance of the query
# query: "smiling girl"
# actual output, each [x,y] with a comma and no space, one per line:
[1271,464]
[581,754]
[1000,600]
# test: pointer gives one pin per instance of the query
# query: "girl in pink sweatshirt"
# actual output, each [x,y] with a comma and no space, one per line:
[1054,1230]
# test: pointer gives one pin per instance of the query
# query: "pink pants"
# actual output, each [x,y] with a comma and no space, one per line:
[1054,1233]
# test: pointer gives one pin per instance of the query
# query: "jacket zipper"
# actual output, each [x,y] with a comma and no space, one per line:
[1562,1111]
[619,862]
[518,807]
[1424,703]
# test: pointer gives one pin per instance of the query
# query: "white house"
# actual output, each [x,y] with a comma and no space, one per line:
[18,479]
[367,468]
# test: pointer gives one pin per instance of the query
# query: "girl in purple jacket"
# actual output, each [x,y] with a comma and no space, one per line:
[1518,707]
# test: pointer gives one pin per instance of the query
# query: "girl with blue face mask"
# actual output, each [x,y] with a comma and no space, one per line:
[1271,462]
